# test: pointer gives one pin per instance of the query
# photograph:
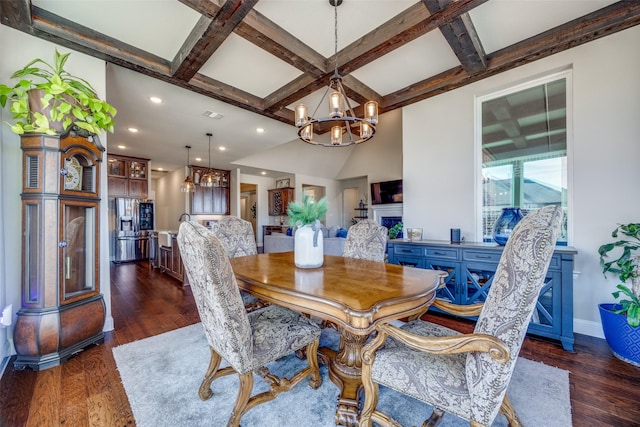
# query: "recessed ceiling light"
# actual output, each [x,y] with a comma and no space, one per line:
[263,173]
[133,130]
[198,159]
[222,148]
[260,130]
[122,146]
[160,169]
[155,100]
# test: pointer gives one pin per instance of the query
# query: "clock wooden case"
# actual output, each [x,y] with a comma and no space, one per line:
[62,309]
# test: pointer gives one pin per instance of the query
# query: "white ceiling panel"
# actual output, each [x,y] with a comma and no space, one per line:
[413,62]
[140,23]
[242,64]
[501,23]
[312,21]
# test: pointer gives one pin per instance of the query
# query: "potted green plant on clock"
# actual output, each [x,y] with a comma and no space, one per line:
[48,99]
[621,321]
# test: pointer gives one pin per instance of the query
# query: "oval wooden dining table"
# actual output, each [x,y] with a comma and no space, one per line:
[353,294]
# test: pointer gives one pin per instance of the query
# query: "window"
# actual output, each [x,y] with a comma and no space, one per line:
[522,141]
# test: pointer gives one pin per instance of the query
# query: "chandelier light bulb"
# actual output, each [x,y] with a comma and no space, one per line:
[336,135]
[371,112]
[335,104]
[365,130]
[301,115]
[307,132]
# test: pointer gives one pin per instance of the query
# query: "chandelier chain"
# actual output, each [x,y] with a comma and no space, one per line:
[335,36]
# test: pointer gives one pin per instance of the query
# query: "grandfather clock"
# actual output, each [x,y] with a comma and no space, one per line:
[62,308]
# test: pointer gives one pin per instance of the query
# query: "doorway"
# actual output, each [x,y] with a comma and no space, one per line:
[249,204]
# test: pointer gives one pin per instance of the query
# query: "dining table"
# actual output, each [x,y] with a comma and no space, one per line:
[352,295]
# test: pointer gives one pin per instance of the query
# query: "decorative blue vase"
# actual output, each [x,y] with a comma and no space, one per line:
[505,224]
[624,340]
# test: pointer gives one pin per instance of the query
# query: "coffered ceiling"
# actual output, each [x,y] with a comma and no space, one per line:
[253,61]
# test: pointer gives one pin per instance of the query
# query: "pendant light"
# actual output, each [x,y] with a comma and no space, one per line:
[208,179]
[188,186]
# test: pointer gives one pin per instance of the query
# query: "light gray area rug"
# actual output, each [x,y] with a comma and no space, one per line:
[161,376]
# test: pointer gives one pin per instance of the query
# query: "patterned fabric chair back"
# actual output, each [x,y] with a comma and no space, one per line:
[236,235]
[366,240]
[216,293]
[509,306]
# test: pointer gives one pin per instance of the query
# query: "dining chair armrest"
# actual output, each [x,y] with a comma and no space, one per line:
[457,309]
[464,343]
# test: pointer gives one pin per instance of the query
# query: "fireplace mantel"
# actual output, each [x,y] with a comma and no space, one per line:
[391,209]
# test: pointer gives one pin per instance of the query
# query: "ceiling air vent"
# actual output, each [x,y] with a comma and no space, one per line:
[212,114]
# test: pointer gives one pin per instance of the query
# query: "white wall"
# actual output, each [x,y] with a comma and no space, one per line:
[439,163]
[380,158]
[262,207]
[170,202]
[17,49]
[333,193]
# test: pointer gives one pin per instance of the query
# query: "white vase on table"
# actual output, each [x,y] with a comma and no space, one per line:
[308,247]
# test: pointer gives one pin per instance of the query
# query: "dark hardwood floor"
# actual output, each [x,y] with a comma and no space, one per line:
[86,389]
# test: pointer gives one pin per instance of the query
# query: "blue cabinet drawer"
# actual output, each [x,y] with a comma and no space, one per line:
[442,253]
[484,256]
[408,250]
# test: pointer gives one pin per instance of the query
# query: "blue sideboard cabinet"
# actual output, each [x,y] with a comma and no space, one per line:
[471,267]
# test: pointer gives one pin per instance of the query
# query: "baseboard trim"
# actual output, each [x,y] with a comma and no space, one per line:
[588,327]
[108,324]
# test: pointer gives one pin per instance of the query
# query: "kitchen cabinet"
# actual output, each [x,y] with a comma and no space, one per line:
[212,200]
[127,176]
[279,199]
[62,309]
[471,267]
[169,260]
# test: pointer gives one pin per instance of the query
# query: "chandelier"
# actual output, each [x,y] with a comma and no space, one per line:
[208,178]
[188,186]
[346,128]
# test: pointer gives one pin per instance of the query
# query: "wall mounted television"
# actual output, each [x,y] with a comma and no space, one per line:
[386,192]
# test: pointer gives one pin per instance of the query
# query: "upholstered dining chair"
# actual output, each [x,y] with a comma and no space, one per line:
[247,341]
[466,375]
[238,239]
[366,240]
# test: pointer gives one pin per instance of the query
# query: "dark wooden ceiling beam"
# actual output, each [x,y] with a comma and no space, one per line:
[207,36]
[407,26]
[59,30]
[267,35]
[461,35]
[360,92]
[606,21]
[16,14]
[401,29]
[66,33]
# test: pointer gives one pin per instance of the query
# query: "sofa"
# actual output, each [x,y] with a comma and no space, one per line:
[279,242]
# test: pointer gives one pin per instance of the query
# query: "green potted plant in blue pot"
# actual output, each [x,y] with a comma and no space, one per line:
[620,321]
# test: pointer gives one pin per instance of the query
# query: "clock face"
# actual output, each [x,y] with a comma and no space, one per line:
[73,178]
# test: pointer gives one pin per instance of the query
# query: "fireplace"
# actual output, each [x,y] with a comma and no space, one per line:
[387,215]
[390,221]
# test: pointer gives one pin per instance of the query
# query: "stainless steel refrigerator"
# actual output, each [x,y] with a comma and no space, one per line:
[133,220]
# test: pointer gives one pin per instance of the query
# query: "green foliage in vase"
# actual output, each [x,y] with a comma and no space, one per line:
[626,267]
[70,99]
[395,230]
[307,211]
